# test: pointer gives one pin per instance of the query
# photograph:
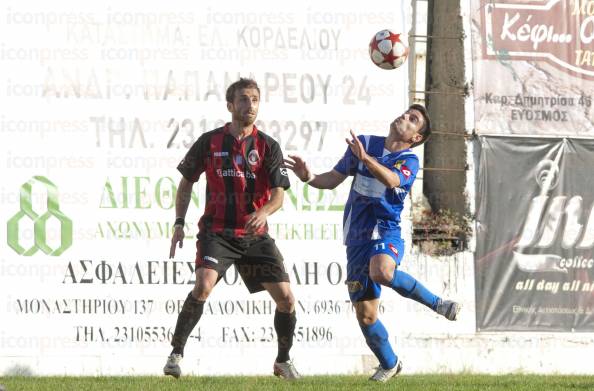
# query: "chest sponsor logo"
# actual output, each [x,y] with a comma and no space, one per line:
[235,173]
[369,187]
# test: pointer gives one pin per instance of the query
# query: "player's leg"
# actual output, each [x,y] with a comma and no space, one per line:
[284,317]
[375,333]
[214,255]
[188,317]
[383,269]
[364,294]
[192,308]
[262,268]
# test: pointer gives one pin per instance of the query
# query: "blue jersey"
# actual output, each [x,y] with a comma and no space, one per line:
[372,210]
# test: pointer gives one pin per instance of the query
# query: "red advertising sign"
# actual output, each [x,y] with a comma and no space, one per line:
[560,32]
[533,64]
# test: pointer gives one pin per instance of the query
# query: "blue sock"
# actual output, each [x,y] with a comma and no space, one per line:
[407,286]
[376,337]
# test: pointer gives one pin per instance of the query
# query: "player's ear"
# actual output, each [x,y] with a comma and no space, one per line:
[230,107]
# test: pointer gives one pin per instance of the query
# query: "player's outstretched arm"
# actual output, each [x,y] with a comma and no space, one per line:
[182,200]
[327,180]
[382,173]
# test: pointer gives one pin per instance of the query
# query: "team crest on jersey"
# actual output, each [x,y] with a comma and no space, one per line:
[398,164]
[253,157]
[353,286]
[394,249]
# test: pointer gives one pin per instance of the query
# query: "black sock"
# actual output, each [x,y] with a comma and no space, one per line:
[284,324]
[186,321]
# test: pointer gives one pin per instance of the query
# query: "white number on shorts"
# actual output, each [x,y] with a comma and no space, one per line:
[380,246]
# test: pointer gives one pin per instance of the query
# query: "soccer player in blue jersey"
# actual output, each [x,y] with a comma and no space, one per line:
[384,169]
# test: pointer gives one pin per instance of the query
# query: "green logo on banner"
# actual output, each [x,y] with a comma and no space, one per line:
[39,221]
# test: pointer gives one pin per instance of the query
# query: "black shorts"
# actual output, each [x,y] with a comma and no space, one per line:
[257,259]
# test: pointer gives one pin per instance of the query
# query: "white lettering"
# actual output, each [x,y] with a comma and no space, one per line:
[234,173]
[536,34]
[587,23]
[507,24]
[549,221]
[573,228]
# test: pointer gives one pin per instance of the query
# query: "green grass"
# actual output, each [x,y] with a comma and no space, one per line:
[343,383]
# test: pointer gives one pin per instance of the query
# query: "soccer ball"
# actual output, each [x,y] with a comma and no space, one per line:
[387,49]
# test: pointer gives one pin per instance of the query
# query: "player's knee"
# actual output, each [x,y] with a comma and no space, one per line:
[206,279]
[286,303]
[366,319]
[381,276]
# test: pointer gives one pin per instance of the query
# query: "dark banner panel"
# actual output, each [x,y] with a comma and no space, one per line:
[535,234]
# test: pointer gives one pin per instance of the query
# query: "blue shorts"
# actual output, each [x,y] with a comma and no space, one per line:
[360,286]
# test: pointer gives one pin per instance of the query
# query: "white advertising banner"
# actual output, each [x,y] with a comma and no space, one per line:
[99,104]
[533,67]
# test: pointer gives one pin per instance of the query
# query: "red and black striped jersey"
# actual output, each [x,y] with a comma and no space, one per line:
[239,176]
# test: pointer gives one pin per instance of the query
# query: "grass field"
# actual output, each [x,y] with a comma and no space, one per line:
[343,383]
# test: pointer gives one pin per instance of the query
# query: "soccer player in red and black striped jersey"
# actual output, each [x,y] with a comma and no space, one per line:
[245,183]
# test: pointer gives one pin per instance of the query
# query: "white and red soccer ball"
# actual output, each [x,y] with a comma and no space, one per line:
[388,49]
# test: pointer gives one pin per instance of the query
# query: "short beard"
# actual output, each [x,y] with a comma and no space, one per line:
[247,123]
[244,121]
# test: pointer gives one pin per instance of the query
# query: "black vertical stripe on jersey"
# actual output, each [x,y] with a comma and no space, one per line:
[206,220]
[249,145]
[230,196]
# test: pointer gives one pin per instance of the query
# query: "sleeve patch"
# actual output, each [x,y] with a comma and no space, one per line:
[398,164]
[405,171]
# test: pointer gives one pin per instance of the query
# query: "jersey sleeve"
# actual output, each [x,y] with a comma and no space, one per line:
[347,165]
[194,163]
[273,163]
[406,169]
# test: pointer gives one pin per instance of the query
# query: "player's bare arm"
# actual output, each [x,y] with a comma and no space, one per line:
[182,201]
[379,171]
[327,180]
[257,219]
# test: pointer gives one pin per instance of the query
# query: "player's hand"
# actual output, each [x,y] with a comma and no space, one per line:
[178,236]
[357,147]
[255,221]
[298,166]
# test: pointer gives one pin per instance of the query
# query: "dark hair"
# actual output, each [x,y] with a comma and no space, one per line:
[426,130]
[240,85]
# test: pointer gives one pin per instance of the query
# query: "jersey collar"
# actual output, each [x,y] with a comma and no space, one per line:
[227,130]
[397,153]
